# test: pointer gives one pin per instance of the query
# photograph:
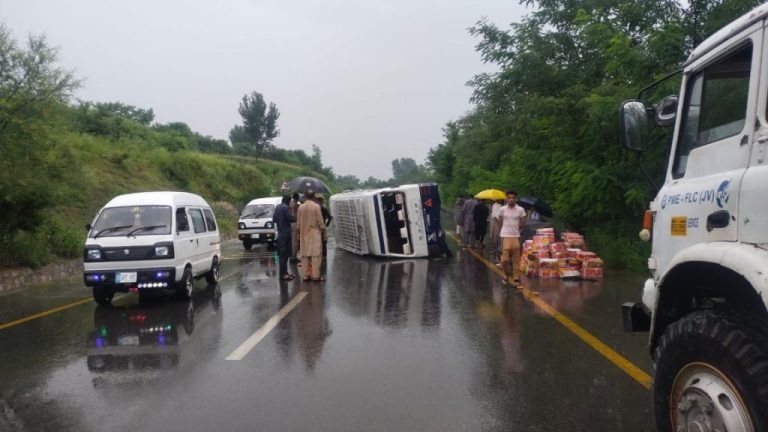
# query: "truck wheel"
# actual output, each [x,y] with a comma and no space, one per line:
[711,374]
[185,286]
[247,245]
[213,274]
[103,295]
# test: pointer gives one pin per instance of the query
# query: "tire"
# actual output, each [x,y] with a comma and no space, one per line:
[712,374]
[212,276]
[185,287]
[103,294]
[247,245]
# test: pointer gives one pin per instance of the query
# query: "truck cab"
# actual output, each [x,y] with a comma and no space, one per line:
[707,292]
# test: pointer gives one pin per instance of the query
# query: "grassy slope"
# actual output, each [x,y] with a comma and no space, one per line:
[100,169]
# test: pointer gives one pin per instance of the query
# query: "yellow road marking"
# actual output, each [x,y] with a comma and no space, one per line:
[45,313]
[264,330]
[617,359]
[14,323]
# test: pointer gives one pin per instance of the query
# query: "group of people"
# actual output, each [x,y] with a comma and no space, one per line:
[302,229]
[507,220]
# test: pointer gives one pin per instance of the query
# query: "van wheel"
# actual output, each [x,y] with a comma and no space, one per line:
[247,245]
[185,286]
[213,274]
[711,371]
[103,294]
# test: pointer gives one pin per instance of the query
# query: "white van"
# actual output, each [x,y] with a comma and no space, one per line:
[151,241]
[255,224]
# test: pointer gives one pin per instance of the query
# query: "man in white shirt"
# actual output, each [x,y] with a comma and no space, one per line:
[512,218]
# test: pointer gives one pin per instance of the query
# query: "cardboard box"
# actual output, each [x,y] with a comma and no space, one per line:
[560,255]
[549,264]
[542,240]
[548,274]
[541,254]
[573,252]
[592,263]
[583,255]
[558,247]
[569,273]
[592,272]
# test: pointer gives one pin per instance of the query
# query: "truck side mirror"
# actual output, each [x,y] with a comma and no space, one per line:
[88,227]
[633,125]
[665,111]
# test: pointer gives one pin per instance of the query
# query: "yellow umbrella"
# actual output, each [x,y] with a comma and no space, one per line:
[491,194]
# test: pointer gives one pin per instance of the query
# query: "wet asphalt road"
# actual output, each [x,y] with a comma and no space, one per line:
[415,345]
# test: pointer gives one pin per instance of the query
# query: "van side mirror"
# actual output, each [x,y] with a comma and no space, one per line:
[665,111]
[88,227]
[633,125]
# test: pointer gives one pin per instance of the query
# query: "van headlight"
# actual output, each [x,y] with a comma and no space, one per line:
[241,225]
[268,225]
[162,251]
[93,254]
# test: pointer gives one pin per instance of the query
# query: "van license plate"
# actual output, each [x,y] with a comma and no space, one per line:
[125,277]
[130,340]
[254,236]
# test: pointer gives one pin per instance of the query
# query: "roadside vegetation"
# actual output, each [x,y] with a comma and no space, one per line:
[546,124]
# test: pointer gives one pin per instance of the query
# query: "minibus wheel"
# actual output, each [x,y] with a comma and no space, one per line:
[213,274]
[185,287]
[103,294]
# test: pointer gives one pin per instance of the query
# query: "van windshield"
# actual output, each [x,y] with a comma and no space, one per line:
[135,220]
[257,211]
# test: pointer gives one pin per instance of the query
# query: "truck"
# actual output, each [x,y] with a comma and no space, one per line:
[705,302]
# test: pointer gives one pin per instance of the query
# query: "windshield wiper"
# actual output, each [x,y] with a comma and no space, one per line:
[255,215]
[142,228]
[115,228]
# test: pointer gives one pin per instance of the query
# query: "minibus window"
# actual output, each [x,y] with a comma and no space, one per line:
[182,223]
[210,222]
[197,220]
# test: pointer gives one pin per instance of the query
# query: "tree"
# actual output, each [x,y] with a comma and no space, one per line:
[259,123]
[406,170]
[33,167]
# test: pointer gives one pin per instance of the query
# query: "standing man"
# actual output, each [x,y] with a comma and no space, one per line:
[295,228]
[458,213]
[283,219]
[480,216]
[468,220]
[495,230]
[512,218]
[327,218]
[312,232]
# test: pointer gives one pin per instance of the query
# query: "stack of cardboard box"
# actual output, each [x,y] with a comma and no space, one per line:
[544,257]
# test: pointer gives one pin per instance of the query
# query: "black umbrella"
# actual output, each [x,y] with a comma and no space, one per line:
[304,184]
[542,207]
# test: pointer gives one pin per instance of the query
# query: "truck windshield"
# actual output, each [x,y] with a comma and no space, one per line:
[257,211]
[138,220]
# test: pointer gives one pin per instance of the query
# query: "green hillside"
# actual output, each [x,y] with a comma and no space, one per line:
[60,167]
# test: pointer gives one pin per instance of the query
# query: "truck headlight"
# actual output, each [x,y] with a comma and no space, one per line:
[268,225]
[94,254]
[162,251]
[241,225]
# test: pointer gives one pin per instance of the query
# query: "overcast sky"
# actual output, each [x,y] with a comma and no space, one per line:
[368,81]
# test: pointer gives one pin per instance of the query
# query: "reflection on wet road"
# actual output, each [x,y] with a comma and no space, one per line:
[381,345]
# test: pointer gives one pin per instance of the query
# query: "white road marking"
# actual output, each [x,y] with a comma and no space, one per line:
[255,338]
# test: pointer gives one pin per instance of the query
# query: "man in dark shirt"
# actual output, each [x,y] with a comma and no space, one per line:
[283,218]
[327,218]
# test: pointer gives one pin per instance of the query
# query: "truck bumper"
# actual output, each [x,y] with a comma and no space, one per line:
[636,317]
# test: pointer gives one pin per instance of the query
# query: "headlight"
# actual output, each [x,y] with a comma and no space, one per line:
[268,225]
[241,225]
[162,251]
[94,254]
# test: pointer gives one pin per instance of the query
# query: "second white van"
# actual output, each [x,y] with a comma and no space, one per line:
[255,224]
